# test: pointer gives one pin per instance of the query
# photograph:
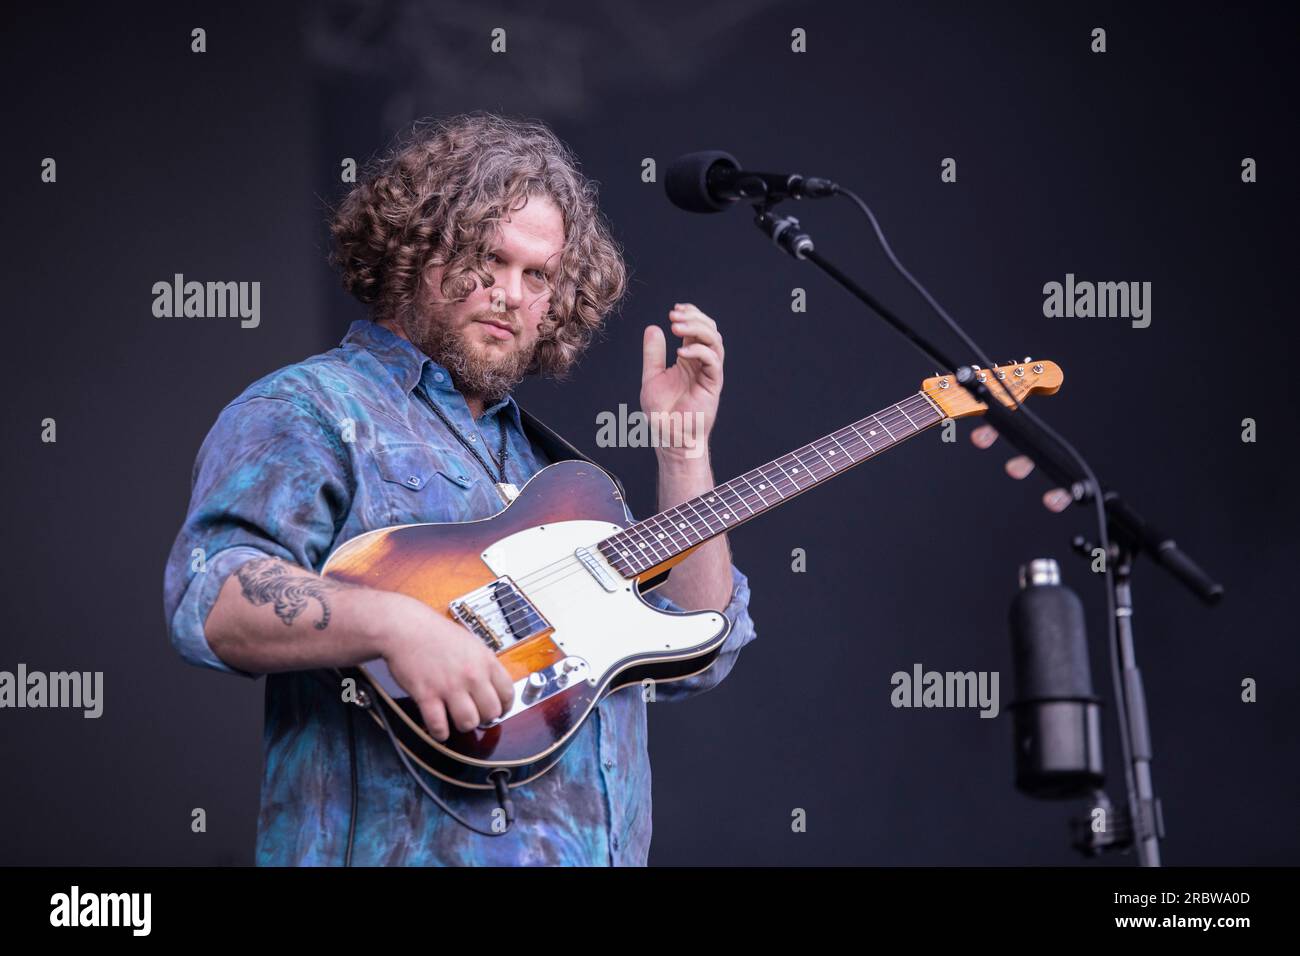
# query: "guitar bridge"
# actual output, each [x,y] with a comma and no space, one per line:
[499,613]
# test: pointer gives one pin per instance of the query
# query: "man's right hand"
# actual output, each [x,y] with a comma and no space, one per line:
[453,677]
[273,616]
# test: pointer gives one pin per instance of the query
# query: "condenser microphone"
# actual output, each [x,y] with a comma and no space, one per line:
[711,181]
[1056,719]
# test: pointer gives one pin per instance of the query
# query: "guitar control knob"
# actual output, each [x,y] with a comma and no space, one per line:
[534,686]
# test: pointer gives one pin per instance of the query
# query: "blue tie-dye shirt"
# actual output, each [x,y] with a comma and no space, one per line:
[313,455]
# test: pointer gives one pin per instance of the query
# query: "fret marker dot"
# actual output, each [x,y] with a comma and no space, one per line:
[761,487]
[661,534]
[873,433]
[794,469]
[682,525]
[626,554]
[727,516]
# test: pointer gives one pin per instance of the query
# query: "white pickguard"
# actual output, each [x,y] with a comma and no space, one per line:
[603,628]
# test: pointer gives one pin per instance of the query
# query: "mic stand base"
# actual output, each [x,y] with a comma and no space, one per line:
[1105,828]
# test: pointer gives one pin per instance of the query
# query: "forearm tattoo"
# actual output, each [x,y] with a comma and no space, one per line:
[270,581]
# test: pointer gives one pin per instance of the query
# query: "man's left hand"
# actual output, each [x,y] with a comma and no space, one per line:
[691,387]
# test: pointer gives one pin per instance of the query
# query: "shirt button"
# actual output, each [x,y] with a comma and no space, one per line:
[413,480]
[609,765]
[437,376]
[473,438]
[615,843]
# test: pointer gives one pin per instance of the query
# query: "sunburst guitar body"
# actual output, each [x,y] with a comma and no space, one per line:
[565,623]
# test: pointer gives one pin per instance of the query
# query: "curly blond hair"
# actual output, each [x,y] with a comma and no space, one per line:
[434,198]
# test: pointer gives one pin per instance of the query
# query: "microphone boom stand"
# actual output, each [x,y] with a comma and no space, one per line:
[1144,826]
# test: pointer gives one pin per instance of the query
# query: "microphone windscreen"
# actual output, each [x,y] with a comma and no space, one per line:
[687,180]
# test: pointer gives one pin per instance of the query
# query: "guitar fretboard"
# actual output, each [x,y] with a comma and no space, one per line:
[650,542]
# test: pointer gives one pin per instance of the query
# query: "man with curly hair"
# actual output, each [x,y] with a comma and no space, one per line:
[478,247]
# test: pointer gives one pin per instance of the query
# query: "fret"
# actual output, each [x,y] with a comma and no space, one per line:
[787,475]
[635,547]
[675,533]
[683,528]
[704,500]
[908,417]
[784,475]
[813,446]
[740,499]
[768,483]
[645,548]
[729,514]
[621,555]
[832,456]
[695,519]
[758,491]
[864,438]
[799,471]
[842,448]
[666,528]
[662,535]
[851,442]
[804,466]
[680,528]
[737,501]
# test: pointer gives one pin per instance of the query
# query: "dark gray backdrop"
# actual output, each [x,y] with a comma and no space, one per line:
[1115,166]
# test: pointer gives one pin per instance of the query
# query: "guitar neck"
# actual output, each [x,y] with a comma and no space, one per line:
[659,538]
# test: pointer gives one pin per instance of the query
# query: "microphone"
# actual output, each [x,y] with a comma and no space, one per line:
[1056,719]
[711,180]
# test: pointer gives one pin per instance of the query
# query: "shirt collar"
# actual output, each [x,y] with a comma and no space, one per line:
[408,365]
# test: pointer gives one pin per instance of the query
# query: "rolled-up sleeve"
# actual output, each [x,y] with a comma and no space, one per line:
[271,479]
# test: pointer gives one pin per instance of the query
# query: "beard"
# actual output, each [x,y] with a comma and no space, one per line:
[475,369]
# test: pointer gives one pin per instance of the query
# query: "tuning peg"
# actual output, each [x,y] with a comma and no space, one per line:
[1028,360]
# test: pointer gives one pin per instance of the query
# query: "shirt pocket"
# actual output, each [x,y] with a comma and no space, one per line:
[423,482]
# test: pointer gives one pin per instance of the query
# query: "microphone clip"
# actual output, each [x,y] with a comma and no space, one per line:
[784,231]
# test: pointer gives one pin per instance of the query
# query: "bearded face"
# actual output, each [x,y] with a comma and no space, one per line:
[487,353]
[488,340]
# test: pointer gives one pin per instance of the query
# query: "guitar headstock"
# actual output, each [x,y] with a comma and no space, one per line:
[1022,378]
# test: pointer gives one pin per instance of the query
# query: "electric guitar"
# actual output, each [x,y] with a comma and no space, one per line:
[553,582]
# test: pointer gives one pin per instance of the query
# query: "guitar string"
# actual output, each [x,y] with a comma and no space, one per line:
[516,608]
[895,415]
[749,498]
[565,567]
[897,420]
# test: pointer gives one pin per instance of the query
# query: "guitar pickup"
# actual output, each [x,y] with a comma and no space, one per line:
[597,568]
[499,613]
